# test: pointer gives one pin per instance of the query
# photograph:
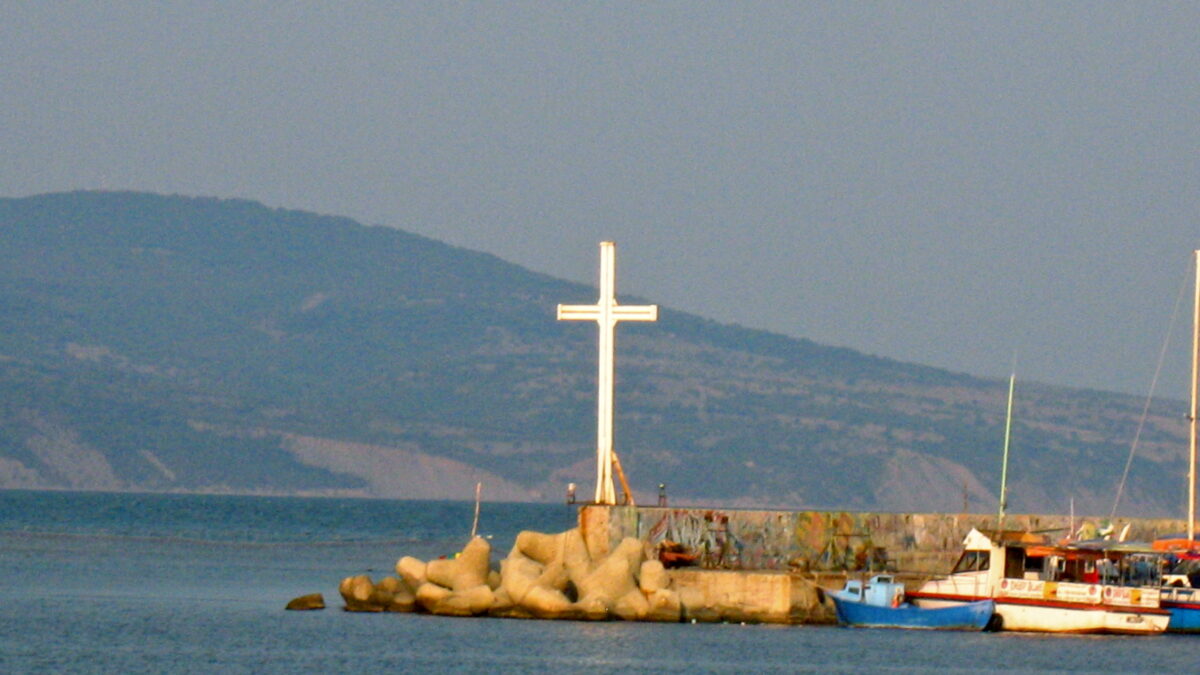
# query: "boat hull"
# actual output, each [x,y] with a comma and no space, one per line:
[1184,606]
[973,616]
[1049,617]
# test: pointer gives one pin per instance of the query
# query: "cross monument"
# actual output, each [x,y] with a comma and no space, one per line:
[606,312]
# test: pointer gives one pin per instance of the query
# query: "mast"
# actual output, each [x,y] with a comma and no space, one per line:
[1192,413]
[1012,380]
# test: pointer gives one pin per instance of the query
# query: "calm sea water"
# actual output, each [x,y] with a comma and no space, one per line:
[121,583]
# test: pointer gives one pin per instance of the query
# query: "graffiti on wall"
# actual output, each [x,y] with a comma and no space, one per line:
[830,540]
[727,539]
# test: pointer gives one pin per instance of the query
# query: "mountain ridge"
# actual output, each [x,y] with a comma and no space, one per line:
[185,343]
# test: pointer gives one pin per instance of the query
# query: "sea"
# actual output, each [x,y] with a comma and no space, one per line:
[150,583]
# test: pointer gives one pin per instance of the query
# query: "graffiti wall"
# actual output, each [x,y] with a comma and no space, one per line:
[837,540]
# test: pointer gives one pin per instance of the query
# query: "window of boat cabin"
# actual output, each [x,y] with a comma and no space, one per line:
[973,561]
[1140,569]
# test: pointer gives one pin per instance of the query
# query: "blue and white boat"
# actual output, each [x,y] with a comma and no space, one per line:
[1180,593]
[880,603]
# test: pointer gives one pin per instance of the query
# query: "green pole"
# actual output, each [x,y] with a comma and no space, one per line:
[1012,380]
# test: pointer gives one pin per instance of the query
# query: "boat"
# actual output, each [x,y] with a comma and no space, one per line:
[1037,586]
[1181,583]
[880,603]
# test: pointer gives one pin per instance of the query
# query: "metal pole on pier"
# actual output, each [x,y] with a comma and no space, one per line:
[1192,412]
[1012,381]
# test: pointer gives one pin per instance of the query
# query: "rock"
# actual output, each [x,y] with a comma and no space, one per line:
[470,602]
[358,593]
[594,607]
[307,602]
[501,602]
[430,594]
[554,576]
[664,606]
[546,603]
[394,595]
[517,576]
[540,547]
[504,607]
[612,578]
[466,570]
[632,606]
[653,576]
[412,571]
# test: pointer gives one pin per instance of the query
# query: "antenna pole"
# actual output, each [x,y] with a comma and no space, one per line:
[1012,381]
[1192,413]
[475,523]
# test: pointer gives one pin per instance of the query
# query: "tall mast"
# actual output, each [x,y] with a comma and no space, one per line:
[1192,413]
[1012,380]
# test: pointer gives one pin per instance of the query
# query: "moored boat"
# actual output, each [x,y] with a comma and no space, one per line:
[1081,587]
[1181,583]
[880,603]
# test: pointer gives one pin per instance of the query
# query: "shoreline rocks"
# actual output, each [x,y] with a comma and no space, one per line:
[553,576]
[307,602]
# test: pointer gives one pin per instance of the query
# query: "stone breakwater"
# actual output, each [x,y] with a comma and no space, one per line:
[556,576]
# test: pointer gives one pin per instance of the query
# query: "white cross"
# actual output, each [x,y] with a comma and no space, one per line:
[606,312]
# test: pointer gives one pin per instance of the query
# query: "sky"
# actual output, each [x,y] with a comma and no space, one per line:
[964,185]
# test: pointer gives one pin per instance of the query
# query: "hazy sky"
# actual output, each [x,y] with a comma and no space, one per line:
[946,183]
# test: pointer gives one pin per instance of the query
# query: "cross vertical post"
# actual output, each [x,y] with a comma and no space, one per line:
[606,313]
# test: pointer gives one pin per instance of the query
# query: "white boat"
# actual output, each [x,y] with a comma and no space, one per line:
[1099,587]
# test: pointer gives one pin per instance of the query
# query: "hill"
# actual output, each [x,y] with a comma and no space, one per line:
[168,343]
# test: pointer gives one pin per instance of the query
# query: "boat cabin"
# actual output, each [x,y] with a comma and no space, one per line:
[990,558]
[882,591]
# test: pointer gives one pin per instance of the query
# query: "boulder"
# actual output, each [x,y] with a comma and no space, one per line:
[307,602]
[504,607]
[664,606]
[594,607]
[653,576]
[395,595]
[612,578]
[547,603]
[359,594]
[429,595]
[412,571]
[517,576]
[554,576]
[466,570]
[469,602]
[632,606]
[540,547]
[575,555]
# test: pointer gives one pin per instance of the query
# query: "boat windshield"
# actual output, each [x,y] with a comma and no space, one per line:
[972,561]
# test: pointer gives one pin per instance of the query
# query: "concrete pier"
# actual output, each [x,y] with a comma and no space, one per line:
[730,565]
[823,541]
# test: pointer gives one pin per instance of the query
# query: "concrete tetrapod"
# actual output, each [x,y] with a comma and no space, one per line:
[391,594]
[548,576]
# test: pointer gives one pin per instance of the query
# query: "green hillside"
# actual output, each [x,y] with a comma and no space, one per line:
[155,342]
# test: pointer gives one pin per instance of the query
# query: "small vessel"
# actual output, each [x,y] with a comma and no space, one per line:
[1073,587]
[1181,584]
[880,603]
[1081,587]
